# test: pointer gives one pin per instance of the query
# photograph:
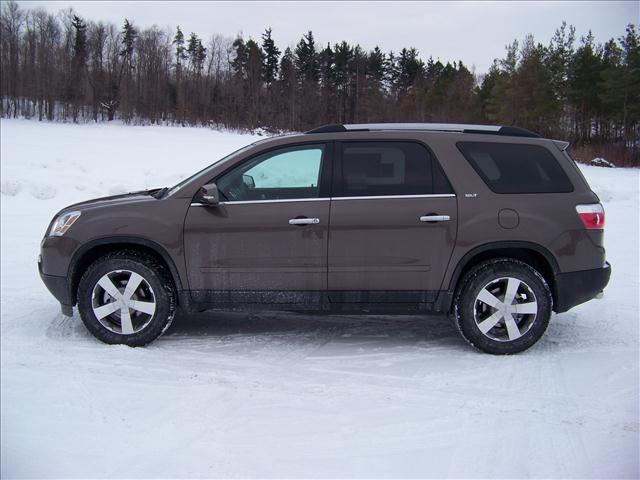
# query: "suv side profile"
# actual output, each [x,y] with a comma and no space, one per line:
[494,226]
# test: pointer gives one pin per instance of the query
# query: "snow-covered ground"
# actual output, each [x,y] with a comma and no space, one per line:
[239,395]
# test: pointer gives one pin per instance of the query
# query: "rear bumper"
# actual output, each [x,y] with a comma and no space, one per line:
[59,288]
[574,288]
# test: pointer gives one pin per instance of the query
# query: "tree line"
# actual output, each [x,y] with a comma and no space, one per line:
[67,68]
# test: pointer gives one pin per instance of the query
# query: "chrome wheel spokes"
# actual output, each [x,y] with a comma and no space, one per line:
[505,309]
[123,302]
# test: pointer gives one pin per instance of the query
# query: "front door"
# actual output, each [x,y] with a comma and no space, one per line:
[393,224]
[267,240]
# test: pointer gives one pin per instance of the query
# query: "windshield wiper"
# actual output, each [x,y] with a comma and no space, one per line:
[159,193]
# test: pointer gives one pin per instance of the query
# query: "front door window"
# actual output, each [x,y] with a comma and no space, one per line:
[290,173]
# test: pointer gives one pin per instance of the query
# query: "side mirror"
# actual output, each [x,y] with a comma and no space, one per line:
[209,195]
[249,182]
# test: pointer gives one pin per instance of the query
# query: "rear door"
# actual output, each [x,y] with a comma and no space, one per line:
[393,223]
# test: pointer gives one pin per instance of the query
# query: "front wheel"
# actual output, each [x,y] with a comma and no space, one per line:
[502,306]
[126,298]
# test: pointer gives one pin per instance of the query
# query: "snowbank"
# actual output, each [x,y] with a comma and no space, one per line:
[234,395]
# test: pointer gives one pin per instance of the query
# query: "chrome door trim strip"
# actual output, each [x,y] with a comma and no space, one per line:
[380,197]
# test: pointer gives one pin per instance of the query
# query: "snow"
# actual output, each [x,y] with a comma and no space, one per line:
[284,395]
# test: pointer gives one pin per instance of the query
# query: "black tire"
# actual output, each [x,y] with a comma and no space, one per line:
[470,312]
[157,283]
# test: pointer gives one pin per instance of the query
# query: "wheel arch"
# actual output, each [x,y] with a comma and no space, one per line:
[91,251]
[531,253]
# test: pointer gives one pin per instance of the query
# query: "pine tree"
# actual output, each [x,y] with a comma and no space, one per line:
[558,59]
[78,64]
[327,83]
[410,67]
[358,81]
[343,72]
[502,105]
[306,59]
[196,53]
[374,94]
[271,58]
[178,41]
[254,83]
[287,83]
[539,106]
[631,102]
[583,86]
[482,97]
[376,66]
[79,40]
[326,60]
[239,62]
[178,98]
[612,90]
[129,35]
[307,65]
[391,74]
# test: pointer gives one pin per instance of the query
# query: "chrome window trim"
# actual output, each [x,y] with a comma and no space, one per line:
[372,197]
[285,200]
[380,197]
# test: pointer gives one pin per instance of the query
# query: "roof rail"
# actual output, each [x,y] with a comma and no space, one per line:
[331,128]
[434,127]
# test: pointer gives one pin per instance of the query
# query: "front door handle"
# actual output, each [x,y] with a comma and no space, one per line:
[435,218]
[303,221]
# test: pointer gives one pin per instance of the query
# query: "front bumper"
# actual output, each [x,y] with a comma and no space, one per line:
[574,288]
[59,288]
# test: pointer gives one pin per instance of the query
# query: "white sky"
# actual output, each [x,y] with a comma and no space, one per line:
[474,32]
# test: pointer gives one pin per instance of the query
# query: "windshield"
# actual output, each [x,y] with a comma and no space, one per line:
[182,183]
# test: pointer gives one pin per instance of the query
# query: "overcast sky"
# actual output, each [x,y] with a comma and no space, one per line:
[474,32]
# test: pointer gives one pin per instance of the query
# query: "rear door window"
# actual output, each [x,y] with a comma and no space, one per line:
[387,169]
[516,168]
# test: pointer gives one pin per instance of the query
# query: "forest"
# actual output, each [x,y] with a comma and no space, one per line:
[67,68]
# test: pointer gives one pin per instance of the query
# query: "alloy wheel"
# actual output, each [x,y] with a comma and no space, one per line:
[123,302]
[505,309]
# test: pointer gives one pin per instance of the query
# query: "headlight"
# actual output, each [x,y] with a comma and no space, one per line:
[63,223]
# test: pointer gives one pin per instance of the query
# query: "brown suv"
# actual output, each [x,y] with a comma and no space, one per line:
[494,225]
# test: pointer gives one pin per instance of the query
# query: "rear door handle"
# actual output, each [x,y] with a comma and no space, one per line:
[435,218]
[303,221]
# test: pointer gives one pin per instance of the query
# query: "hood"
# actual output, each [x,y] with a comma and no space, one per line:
[142,195]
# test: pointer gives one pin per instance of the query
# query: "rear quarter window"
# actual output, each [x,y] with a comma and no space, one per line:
[516,168]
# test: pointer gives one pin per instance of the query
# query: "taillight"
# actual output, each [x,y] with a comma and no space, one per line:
[591,215]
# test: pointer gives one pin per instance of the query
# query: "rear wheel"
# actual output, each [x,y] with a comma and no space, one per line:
[502,306]
[126,298]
